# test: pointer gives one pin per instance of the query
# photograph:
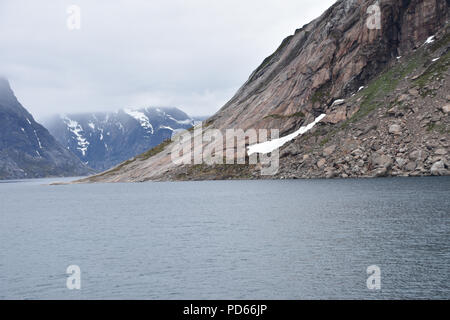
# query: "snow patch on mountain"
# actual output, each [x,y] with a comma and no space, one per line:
[338,102]
[77,130]
[185,122]
[141,117]
[269,146]
[166,127]
[37,139]
[429,40]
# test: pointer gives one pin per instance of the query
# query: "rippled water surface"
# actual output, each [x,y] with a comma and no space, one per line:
[226,239]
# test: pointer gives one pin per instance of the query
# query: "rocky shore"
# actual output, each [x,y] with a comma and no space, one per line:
[407,133]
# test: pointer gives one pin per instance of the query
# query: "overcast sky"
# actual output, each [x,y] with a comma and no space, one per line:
[192,54]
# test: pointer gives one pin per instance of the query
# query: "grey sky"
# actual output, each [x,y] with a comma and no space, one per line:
[192,54]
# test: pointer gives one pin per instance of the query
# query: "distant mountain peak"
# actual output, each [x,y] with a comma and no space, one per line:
[7,97]
[104,139]
[27,150]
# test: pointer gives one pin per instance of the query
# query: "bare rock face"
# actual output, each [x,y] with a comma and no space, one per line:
[337,116]
[329,58]
[420,20]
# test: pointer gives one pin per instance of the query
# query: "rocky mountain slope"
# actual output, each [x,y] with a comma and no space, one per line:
[103,140]
[384,91]
[27,150]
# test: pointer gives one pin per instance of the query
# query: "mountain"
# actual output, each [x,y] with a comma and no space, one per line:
[379,72]
[103,140]
[27,150]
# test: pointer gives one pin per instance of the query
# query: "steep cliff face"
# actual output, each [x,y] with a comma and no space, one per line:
[335,57]
[329,59]
[27,150]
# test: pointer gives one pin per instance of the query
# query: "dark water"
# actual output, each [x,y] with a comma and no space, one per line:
[227,239]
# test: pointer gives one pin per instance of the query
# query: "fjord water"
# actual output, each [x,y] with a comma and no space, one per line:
[226,239]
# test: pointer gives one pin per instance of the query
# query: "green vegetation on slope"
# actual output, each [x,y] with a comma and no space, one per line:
[374,94]
[434,71]
[281,116]
[154,151]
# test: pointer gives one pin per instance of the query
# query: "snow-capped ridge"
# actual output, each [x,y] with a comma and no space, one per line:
[104,139]
[141,117]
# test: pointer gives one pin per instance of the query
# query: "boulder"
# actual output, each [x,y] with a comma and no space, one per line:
[403,98]
[400,162]
[440,152]
[413,92]
[321,163]
[439,169]
[417,155]
[336,116]
[411,166]
[329,150]
[383,161]
[446,108]
[395,111]
[395,129]
[330,173]
[381,172]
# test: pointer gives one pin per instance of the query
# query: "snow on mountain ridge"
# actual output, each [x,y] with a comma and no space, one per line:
[105,139]
[141,117]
